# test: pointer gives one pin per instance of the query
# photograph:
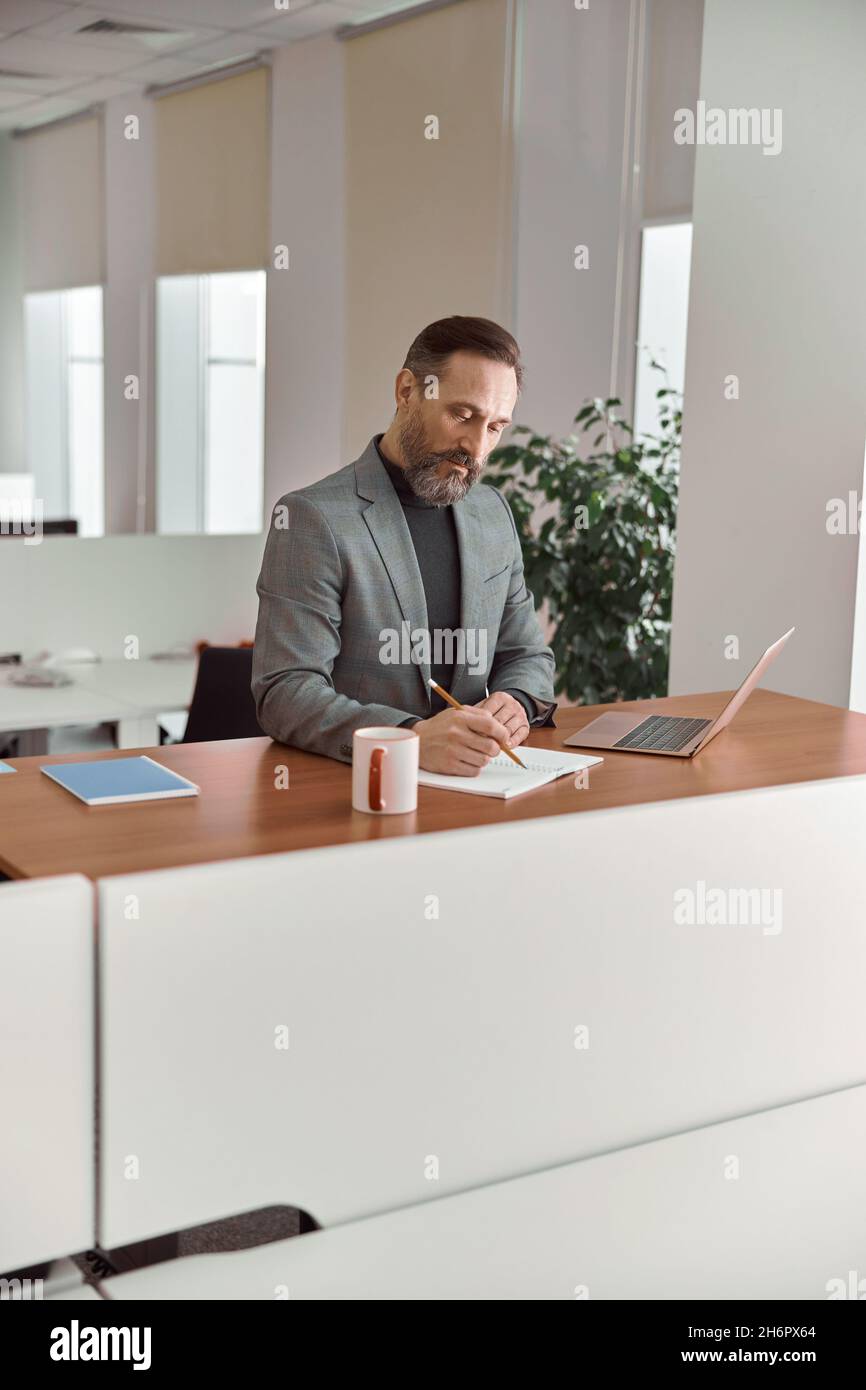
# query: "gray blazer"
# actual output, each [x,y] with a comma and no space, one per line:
[339,575]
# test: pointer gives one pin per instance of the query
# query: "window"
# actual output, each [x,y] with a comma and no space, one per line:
[666,253]
[210,375]
[64,410]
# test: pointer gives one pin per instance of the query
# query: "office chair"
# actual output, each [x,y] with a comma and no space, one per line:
[222,703]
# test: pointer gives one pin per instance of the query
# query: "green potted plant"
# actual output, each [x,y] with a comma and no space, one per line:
[596,524]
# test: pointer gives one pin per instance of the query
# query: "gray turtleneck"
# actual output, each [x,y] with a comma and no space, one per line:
[434,537]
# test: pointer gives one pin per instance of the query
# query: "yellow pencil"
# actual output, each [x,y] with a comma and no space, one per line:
[455,704]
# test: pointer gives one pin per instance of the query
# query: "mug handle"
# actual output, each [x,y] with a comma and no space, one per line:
[374,786]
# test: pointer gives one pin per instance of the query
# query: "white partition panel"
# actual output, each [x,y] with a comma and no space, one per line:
[355,1029]
[72,592]
[81,1293]
[768,1207]
[47,1003]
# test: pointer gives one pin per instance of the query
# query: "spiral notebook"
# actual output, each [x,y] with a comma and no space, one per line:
[501,777]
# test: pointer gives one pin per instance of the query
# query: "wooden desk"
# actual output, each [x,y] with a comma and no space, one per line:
[44,830]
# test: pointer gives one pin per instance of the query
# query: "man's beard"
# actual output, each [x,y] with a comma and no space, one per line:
[420,467]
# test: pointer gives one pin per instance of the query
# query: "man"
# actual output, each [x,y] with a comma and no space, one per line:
[398,567]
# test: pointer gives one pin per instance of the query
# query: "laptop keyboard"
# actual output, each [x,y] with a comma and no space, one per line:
[670,733]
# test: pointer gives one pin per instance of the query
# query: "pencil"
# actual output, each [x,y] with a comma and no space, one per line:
[455,704]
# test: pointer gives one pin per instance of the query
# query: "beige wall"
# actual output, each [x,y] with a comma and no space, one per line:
[428,221]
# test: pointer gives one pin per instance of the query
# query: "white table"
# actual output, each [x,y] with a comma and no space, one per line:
[142,690]
[130,694]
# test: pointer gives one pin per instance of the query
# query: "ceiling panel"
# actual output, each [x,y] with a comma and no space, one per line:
[378,7]
[314,19]
[231,48]
[102,89]
[319,15]
[19,14]
[41,41]
[31,86]
[38,112]
[9,100]
[59,57]
[224,14]
[159,70]
[70,22]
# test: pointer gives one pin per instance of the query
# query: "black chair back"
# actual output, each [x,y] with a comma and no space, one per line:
[222,702]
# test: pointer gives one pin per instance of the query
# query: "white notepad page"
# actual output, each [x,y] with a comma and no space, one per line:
[502,778]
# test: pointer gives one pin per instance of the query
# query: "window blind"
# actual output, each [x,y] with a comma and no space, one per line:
[62,205]
[212,176]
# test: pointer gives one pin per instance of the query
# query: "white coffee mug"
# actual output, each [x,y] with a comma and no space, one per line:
[385,770]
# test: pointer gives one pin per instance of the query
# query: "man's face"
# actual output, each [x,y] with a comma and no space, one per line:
[445,442]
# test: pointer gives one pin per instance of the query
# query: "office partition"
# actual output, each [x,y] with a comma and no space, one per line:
[356,1029]
[47,1099]
[767,1207]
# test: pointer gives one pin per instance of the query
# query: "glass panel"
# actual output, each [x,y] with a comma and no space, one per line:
[84,322]
[86,447]
[178,405]
[235,308]
[235,435]
[45,402]
[64,372]
[210,344]
[666,258]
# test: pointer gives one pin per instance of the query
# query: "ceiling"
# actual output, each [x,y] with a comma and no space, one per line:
[50,69]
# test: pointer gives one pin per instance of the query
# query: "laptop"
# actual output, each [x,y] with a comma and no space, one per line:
[675,736]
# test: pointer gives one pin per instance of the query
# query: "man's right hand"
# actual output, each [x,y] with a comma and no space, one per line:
[459,741]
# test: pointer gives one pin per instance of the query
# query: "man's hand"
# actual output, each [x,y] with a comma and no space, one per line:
[509,712]
[460,741]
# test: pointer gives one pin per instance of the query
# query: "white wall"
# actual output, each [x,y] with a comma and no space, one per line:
[304,388]
[778,297]
[70,592]
[129,214]
[11,319]
[598,89]
[672,76]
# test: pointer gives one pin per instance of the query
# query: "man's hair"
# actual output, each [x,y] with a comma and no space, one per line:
[435,344]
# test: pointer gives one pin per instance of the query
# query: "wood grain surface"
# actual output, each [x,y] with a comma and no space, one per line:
[44,830]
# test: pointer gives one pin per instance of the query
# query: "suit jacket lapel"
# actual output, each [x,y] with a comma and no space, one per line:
[390,533]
